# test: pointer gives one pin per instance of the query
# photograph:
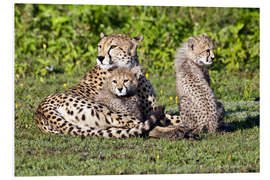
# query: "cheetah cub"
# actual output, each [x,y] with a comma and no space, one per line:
[120,91]
[199,109]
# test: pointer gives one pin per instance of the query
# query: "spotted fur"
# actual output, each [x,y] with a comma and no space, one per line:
[120,91]
[117,50]
[76,112]
[198,106]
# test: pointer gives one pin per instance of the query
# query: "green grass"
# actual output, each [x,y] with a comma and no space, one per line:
[40,154]
[66,37]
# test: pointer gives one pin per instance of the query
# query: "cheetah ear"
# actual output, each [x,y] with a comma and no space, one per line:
[205,36]
[138,38]
[191,43]
[102,35]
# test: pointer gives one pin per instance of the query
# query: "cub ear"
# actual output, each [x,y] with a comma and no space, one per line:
[137,71]
[138,38]
[111,71]
[190,42]
[205,35]
[102,35]
[112,68]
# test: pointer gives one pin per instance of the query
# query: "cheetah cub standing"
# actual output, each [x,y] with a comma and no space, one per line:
[120,91]
[198,106]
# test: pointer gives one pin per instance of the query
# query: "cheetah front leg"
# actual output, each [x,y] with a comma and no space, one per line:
[71,112]
[94,114]
[141,129]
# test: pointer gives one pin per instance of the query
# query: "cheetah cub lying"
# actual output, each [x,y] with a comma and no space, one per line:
[120,91]
[198,106]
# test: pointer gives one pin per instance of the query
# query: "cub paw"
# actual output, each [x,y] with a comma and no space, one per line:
[159,112]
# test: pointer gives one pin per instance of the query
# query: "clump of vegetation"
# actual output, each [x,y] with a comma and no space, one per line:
[63,38]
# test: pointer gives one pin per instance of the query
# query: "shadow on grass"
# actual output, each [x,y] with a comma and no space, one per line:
[238,109]
[249,123]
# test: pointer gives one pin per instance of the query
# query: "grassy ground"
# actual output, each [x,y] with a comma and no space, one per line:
[39,154]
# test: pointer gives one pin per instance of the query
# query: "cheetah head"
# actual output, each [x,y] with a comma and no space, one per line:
[200,49]
[117,50]
[123,81]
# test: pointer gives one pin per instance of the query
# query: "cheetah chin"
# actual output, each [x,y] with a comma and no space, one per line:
[203,61]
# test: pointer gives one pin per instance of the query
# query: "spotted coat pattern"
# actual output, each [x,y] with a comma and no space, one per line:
[120,91]
[76,112]
[199,109]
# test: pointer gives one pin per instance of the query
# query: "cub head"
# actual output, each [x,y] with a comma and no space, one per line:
[117,50]
[200,49]
[123,81]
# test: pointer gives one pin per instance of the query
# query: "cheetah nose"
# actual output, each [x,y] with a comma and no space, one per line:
[120,89]
[212,58]
[101,58]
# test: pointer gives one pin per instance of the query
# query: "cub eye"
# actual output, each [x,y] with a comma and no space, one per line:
[114,81]
[99,46]
[208,50]
[125,80]
[113,46]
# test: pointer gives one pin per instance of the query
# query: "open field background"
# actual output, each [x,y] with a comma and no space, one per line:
[55,45]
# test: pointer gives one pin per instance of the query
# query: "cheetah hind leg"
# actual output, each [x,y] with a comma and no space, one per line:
[45,124]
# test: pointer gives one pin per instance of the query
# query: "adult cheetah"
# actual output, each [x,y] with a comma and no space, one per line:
[76,112]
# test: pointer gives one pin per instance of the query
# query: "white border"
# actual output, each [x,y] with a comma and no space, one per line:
[7,80]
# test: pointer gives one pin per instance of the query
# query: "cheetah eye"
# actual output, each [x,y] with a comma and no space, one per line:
[125,80]
[114,81]
[113,46]
[99,46]
[208,50]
